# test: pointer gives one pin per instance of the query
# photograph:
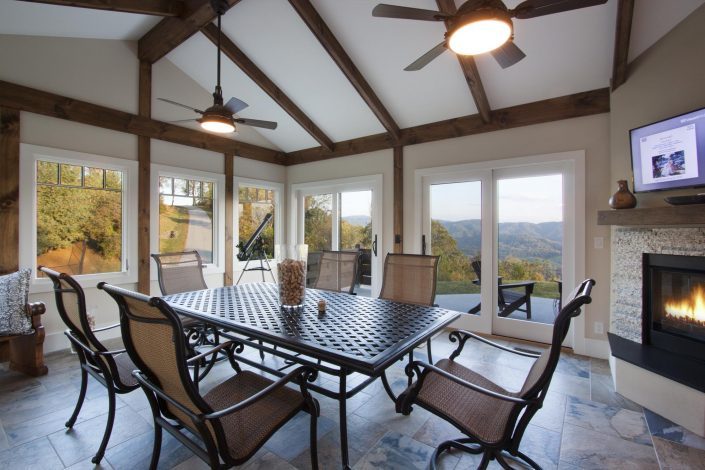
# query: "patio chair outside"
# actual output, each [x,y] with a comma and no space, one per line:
[410,279]
[338,271]
[510,297]
[113,369]
[493,419]
[235,418]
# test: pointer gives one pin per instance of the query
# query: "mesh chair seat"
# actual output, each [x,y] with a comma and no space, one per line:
[481,415]
[125,366]
[245,430]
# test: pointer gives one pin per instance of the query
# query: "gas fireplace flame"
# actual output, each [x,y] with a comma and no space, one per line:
[691,309]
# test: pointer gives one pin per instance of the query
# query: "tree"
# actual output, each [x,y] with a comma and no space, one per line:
[318,222]
[453,265]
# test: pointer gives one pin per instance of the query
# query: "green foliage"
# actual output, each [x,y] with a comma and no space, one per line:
[351,235]
[69,215]
[453,265]
[318,222]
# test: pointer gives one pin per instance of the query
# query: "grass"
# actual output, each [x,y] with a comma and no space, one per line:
[173,228]
[545,289]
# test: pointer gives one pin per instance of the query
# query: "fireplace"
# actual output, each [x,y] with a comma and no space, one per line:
[674,304]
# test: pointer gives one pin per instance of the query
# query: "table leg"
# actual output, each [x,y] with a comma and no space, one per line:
[343,420]
[410,373]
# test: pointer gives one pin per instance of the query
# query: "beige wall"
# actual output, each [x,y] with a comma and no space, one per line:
[106,72]
[667,79]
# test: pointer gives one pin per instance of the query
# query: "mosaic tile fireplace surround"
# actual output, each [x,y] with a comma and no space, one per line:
[660,388]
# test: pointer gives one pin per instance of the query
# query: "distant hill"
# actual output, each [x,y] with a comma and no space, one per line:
[519,239]
[360,220]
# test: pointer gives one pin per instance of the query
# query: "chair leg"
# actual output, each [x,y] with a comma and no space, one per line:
[428,350]
[314,439]
[81,397]
[108,426]
[156,450]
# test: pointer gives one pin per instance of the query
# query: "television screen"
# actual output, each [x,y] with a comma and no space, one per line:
[669,154]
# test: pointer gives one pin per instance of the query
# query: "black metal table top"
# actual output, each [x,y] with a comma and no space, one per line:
[355,332]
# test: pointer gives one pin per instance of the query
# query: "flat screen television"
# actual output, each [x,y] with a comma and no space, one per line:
[669,154]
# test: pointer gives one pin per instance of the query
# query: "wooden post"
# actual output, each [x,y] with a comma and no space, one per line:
[9,189]
[398,199]
[229,220]
[144,179]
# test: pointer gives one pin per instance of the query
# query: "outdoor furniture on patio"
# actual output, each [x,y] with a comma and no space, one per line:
[493,418]
[313,261]
[510,297]
[113,369]
[183,272]
[235,418]
[410,279]
[337,271]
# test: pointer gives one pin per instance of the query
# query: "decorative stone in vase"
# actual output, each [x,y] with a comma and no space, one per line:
[623,198]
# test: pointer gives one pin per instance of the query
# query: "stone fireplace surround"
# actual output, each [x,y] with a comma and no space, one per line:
[672,399]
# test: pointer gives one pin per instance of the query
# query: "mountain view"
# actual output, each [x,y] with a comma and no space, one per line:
[358,220]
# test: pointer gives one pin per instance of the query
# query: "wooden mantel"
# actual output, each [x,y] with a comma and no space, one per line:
[654,216]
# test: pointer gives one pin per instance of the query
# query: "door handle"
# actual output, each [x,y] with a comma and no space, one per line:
[374,246]
[423,244]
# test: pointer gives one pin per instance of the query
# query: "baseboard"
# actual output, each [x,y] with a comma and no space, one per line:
[597,348]
[58,341]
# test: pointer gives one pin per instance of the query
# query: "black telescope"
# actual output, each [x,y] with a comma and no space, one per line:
[248,247]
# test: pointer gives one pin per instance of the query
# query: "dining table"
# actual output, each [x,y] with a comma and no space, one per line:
[351,334]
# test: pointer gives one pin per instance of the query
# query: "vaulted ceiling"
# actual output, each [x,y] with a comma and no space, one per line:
[351,84]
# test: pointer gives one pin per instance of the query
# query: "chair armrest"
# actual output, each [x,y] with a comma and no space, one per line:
[34,309]
[90,351]
[518,284]
[465,383]
[467,334]
[213,350]
[303,373]
[105,327]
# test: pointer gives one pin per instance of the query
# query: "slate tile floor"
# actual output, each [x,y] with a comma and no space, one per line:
[584,424]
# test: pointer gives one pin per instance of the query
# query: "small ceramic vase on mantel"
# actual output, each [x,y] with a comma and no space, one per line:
[623,198]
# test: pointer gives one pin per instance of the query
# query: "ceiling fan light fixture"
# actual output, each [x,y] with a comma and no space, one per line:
[480,32]
[217,123]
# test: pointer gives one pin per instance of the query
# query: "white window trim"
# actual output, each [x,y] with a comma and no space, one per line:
[278,189]
[218,180]
[29,154]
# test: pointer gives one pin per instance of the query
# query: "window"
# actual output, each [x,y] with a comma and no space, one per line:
[186,214]
[79,219]
[256,199]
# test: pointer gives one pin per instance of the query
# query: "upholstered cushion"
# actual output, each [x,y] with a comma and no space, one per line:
[14,289]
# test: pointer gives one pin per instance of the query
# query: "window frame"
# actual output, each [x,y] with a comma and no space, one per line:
[218,180]
[29,155]
[278,189]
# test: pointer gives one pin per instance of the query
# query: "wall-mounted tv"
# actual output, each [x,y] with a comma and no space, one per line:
[669,154]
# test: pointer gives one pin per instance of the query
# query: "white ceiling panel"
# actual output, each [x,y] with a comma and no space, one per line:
[290,55]
[566,53]
[382,47]
[197,58]
[34,19]
[653,19]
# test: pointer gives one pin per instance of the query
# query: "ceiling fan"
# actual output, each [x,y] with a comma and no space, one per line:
[219,118]
[480,26]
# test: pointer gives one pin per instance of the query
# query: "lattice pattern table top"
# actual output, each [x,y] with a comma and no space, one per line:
[360,328]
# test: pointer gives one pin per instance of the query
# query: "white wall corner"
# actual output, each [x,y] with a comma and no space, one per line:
[597,348]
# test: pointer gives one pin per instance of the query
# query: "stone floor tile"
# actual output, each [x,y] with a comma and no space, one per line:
[137,452]
[396,452]
[82,440]
[192,463]
[607,420]
[436,430]
[380,409]
[552,413]
[602,390]
[88,465]
[672,455]
[4,443]
[665,429]
[35,455]
[268,461]
[590,449]
[293,438]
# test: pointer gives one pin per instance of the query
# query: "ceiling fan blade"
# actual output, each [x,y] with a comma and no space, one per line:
[508,54]
[384,10]
[424,60]
[534,8]
[182,105]
[235,105]
[257,123]
[185,120]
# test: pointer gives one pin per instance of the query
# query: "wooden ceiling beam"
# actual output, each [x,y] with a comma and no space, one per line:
[620,64]
[554,109]
[260,78]
[49,104]
[143,7]
[329,42]
[470,71]
[169,33]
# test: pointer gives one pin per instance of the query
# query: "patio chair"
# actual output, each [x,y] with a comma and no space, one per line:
[510,297]
[113,369]
[337,271]
[493,419]
[183,272]
[410,279]
[235,418]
